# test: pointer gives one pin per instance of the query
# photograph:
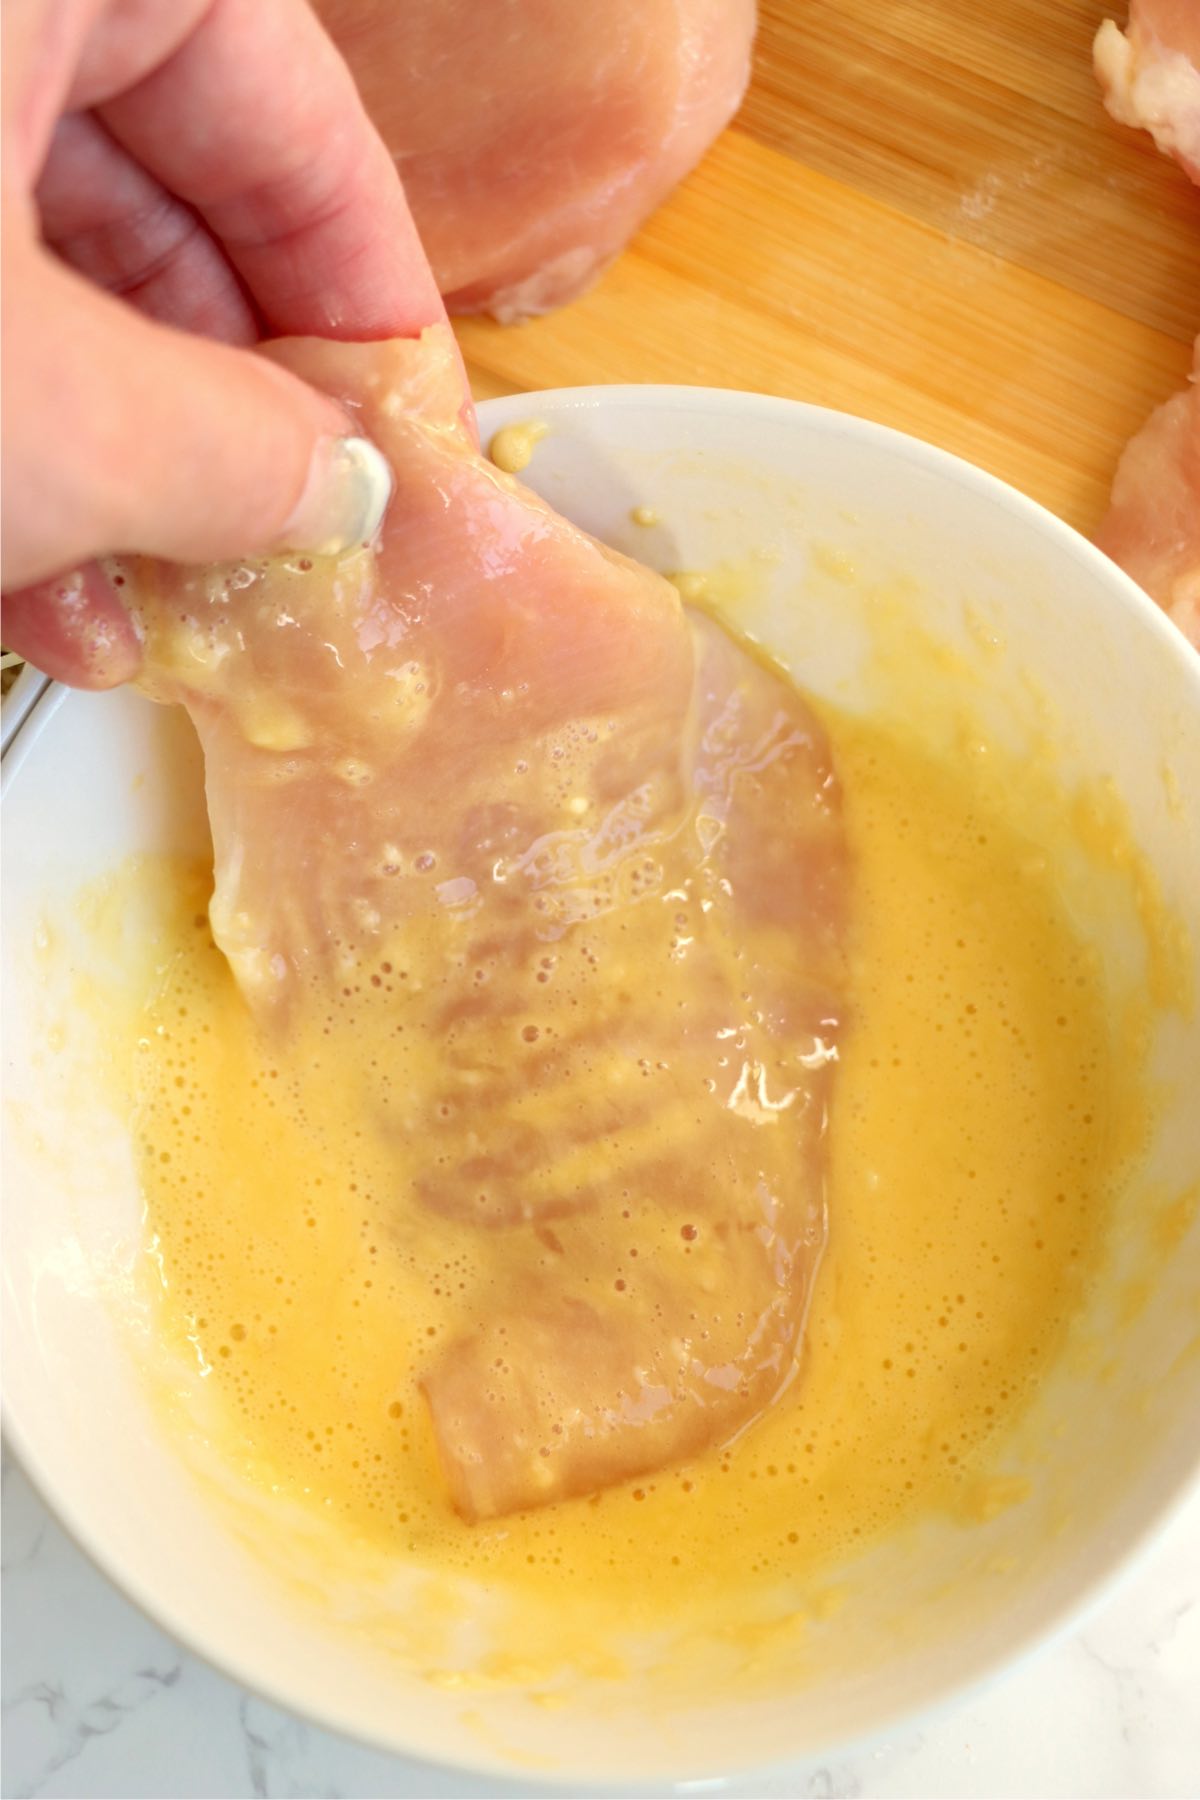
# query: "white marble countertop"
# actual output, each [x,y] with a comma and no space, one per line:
[97,1702]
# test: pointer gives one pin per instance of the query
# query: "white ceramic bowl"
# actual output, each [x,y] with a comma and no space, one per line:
[92,778]
[19,702]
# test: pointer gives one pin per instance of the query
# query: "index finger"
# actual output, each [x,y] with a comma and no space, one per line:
[255,121]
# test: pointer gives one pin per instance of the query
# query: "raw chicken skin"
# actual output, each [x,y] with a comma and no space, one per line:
[560,869]
[533,137]
[1151,78]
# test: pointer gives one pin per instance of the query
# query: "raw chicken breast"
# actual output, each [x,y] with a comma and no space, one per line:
[534,137]
[1151,77]
[561,871]
[1152,527]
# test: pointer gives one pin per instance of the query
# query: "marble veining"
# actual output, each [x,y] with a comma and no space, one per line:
[98,1702]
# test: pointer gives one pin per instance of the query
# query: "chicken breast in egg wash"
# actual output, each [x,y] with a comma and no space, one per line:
[554,871]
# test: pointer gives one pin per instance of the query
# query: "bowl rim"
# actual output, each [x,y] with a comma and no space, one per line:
[19,703]
[837,421]
[1119,1564]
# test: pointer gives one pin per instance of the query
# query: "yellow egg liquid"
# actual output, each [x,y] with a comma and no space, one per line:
[971,1148]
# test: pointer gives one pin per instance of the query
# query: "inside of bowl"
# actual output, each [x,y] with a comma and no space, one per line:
[883,576]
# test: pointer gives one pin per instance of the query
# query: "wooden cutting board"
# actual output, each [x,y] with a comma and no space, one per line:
[922,214]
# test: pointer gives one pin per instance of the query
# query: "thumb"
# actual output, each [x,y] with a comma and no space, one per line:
[121,434]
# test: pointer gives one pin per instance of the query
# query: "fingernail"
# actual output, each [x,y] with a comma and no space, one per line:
[344,500]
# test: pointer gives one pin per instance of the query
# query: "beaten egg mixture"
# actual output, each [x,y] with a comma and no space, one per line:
[970,1150]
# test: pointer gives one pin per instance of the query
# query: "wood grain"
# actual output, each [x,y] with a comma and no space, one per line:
[923,215]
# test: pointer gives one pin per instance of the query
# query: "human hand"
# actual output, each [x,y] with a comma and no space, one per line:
[180,178]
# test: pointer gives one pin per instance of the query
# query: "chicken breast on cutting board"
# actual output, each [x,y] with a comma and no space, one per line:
[1152,527]
[534,137]
[1150,75]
